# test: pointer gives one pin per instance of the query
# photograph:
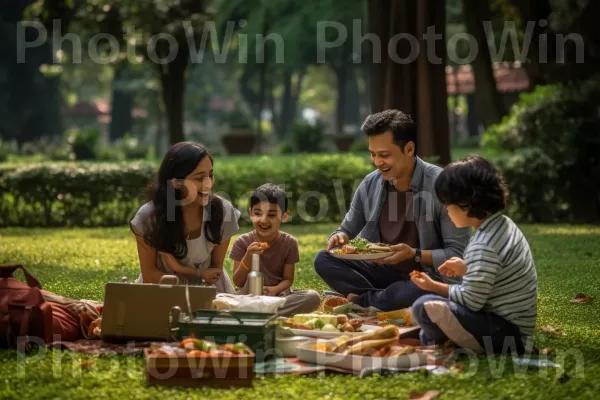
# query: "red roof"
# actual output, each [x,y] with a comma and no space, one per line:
[99,109]
[509,78]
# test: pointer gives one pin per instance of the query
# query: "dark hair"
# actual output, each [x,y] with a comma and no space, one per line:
[400,124]
[473,183]
[163,232]
[274,194]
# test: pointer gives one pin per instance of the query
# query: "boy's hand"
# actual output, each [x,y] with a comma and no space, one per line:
[453,267]
[271,291]
[423,281]
[254,248]
[210,275]
[339,239]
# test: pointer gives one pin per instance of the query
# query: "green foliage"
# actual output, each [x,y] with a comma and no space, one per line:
[237,119]
[75,194]
[360,145]
[94,194]
[307,138]
[555,127]
[78,262]
[84,143]
[5,150]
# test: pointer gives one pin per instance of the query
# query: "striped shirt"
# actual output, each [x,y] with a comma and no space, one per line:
[501,276]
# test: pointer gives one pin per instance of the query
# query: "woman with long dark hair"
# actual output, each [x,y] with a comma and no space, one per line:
[184,229]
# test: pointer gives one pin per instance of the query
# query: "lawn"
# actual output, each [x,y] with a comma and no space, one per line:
[77,263]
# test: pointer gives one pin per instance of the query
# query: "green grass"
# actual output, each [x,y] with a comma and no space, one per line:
[77,263]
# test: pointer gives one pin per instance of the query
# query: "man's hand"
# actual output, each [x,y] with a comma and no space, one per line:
[270,291]
[339,239]
[210,275]
[402,252]
[254,248]
[453,267]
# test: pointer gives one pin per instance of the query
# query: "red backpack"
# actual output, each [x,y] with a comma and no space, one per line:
[25,317]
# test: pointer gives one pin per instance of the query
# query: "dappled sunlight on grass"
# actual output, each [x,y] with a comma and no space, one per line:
[78,262]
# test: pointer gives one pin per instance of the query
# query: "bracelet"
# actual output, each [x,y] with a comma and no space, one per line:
[244,265]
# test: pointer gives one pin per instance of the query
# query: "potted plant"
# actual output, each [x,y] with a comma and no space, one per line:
[239,137]
[344,141]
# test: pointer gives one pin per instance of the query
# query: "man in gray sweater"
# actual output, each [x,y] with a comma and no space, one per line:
[396,205]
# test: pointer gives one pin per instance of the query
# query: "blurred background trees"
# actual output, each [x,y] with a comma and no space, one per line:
[289,76]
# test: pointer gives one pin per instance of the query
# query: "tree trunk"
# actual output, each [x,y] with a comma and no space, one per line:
[352,103]
[173,84]
[297,90]
[172,77]
[341,74]
[286,105]
[417,87]
[489,101]
[121,107]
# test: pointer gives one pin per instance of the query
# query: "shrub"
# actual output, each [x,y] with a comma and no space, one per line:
[84,143]
[555,127]
[306,137]
[85,194]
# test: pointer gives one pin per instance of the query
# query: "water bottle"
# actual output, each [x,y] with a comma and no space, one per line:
[256,278]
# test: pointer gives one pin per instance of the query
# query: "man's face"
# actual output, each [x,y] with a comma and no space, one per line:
[389,158]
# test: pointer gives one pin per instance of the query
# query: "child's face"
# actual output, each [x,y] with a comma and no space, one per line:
[458,215]
[267,217]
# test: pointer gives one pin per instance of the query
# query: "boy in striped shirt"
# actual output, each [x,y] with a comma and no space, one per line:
[495,307]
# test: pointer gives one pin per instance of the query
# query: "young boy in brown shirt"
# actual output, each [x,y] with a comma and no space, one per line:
[278,252]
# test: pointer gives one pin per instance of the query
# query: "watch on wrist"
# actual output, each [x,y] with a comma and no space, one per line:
[417,257]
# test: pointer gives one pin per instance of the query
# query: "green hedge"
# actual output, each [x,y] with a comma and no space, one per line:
[105,194]
[549,150]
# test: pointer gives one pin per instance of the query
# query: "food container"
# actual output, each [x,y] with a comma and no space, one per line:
[214,371]
[286,346]
[306,352]
[257,330]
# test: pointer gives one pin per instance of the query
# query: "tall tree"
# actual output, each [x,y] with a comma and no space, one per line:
[165,33]
[490,105]
[416,86]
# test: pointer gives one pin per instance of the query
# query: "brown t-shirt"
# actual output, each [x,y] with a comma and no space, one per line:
[281,251]
[397,223]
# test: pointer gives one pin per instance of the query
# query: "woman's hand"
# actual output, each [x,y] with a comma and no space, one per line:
[172,262]
[453,267]
[210,275]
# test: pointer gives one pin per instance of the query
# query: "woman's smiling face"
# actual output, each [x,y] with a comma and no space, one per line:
[199,183]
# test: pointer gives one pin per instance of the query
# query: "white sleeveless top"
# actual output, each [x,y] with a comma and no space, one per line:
[199,249]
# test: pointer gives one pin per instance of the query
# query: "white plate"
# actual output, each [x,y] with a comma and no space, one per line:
[306,353]
[374,256]
[333,335]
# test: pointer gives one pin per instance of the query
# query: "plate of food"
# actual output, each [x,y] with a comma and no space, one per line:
[362,249]
[326,326]
[379,349]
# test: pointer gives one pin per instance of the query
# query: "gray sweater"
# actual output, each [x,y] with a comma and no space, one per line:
[436,231]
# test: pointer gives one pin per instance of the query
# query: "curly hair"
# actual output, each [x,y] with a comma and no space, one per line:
[472,183]
[400,124]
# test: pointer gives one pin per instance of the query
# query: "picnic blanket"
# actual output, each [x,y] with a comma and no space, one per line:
[100,347]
